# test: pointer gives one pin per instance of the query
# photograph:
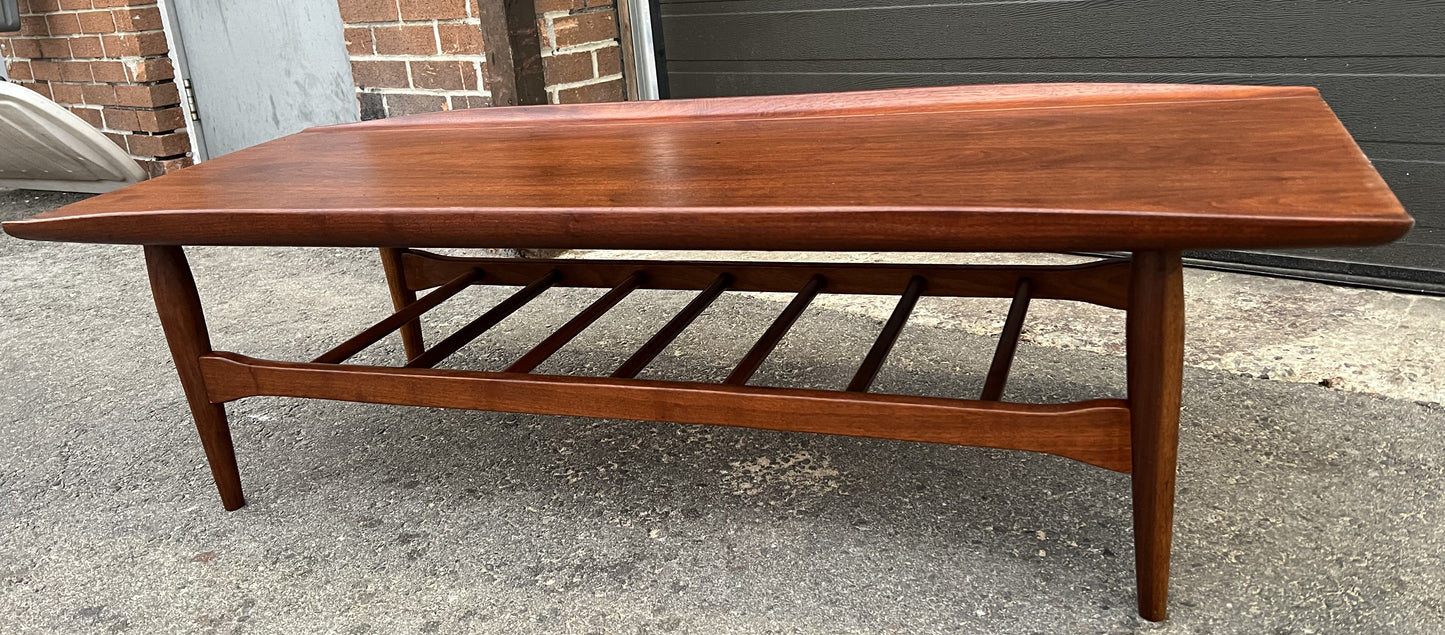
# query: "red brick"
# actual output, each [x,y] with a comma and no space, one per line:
[154,69]
[147,96]
[44,6]
[67,94]
[161,145]
[20,71]
[75,72]
[116,138]
[24,47]
[461,39]
[609,61]
[405,40]
[142,19]
[120,119]
[90,115]
[135,44]
[96,22]
[433,9]
[163,120]
[567,67]
[86,46]
[367,11]
[605,91]
[438,75]
[470,101]
[43,89]
[108,71]
[62,24]
[102,4]
[33,26]
[99,94]
[593,4]
[45,70]
[72,5]
[469,76]
[153,43]
[408,104]
[158,168]
[54,47]
[120,45]
[548,6]
[582,28]
[372,74]
[358,41]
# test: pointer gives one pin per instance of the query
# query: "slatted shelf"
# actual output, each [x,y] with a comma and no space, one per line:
[474,329]
[1102,282]
[1008,342]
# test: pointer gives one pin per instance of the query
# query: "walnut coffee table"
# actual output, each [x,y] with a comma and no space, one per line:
[1147,169]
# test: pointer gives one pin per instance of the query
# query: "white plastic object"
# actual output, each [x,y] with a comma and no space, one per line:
[43,146]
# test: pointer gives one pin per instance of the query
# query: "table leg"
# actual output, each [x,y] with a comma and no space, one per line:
[401,296]
[185,327]
[1155,335]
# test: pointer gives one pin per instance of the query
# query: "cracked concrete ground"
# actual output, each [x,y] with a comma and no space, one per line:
[1301,508]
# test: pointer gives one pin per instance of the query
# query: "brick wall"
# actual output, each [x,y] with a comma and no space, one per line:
[411,56]
[106,61]
[581,58]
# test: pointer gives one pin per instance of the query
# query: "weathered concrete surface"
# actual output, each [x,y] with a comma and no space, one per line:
[1301,508]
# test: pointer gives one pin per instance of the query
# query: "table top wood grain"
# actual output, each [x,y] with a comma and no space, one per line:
[1030,167]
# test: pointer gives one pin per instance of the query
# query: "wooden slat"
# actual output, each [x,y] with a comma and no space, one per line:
[673,328]
[405,316]
[1008,343]
[775,332]
[557,340]
[475,328]
[1103,282]
[1095,432]
[868,370]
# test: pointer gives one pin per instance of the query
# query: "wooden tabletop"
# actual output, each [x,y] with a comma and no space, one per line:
[1038,167]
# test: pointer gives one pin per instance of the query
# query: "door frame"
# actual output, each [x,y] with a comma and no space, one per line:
[640,33]
[177,54]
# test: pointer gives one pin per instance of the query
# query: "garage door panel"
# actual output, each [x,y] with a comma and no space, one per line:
[844,29]
[1396,107]
[1379,63]
[1394,269]
[1420,186]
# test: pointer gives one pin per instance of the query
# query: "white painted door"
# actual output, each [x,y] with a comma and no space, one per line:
[262,69]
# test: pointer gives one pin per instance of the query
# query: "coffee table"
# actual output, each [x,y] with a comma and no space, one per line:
[1145,169]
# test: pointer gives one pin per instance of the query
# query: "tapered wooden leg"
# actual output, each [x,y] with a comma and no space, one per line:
[1155,336]
[401,296]
[185,327]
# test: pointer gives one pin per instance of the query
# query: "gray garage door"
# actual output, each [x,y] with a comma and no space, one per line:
[1379,63]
